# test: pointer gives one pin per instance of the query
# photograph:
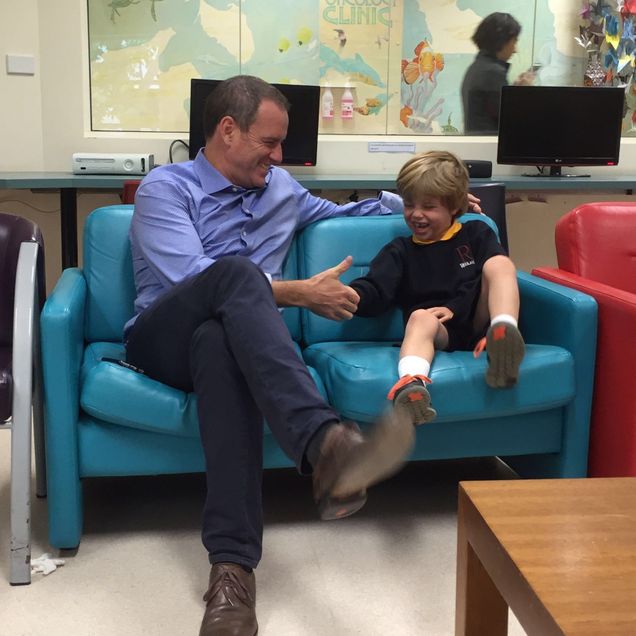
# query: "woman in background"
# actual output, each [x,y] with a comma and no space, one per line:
[496,37]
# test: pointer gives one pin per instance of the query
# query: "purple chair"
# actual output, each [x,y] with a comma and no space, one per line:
[22,294]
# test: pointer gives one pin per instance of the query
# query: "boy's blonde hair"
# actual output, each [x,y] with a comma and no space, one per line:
[436,173]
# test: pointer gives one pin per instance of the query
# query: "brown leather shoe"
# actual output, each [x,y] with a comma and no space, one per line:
[350,462]
[231,601]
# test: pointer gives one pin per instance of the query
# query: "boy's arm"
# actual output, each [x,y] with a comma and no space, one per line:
[378,289]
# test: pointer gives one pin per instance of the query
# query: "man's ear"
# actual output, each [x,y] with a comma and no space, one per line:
[228,128]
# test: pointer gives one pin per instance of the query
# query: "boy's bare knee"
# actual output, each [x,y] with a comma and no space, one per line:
[424,322]
[498,265]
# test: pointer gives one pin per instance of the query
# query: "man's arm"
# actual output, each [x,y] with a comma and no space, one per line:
[324,293]
[163,234]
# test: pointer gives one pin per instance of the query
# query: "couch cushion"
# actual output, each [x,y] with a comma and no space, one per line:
[108,272]
[596,241]
[358,375]
[117,395]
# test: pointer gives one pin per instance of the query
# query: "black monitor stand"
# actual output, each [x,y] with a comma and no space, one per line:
[555,171]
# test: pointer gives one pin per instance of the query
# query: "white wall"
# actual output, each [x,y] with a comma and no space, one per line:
[20,95]
[44,120]
[56,33]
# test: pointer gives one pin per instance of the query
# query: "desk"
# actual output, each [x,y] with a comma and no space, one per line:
[561,553]
[68,184]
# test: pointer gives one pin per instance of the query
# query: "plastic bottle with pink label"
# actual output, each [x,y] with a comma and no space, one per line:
[346,104]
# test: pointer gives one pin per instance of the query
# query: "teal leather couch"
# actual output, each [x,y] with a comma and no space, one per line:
[540,427]
[105,420]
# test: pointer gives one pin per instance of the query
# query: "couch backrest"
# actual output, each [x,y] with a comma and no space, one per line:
[325,243]
[109,275]
[598,241]
[108,272]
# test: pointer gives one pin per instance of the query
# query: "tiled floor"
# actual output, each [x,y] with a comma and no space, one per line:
[141,569]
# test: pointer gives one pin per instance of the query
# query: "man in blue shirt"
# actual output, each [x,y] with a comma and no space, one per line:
[209,238]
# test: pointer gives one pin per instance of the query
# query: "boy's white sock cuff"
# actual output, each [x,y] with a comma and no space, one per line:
[413,365]
[511,320]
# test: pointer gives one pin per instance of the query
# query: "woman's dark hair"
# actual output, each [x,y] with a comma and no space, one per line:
[239,97]
[495,31]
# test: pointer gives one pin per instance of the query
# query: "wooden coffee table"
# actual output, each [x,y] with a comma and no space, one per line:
[561,553]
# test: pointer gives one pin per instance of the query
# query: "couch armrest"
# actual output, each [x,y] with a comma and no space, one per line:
[62,331]
[605,295]
[556,315]
[62,328]
[613,436]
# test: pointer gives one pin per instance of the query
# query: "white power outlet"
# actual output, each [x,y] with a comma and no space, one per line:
[20,64]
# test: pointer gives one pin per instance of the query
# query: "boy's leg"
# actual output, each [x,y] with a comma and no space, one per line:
[423,334]
[499,305]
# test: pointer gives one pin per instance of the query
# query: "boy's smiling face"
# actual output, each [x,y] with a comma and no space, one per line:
[429,218]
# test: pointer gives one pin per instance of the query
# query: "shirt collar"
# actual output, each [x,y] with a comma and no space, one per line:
[493,58]
[212,181]
[450,232]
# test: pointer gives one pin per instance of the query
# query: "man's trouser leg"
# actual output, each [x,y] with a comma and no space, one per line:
[220,335]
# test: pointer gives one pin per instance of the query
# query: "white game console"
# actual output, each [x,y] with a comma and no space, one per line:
[112,163]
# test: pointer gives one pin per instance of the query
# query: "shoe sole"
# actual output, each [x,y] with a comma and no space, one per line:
[383,454]
[331,508]
[419,410]
[504,357]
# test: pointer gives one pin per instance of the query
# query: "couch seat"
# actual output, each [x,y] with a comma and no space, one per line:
[358,376]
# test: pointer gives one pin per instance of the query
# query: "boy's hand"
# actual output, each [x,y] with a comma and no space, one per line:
[443,314]
[327,296]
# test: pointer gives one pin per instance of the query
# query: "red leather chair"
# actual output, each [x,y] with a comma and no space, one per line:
[128,193]
[596,253]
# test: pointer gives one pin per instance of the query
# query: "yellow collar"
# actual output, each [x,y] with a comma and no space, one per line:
[450,232]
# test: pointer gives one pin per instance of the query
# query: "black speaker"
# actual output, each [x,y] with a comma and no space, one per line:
[478,169]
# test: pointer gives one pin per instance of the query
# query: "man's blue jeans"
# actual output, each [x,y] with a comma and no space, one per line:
[220,335]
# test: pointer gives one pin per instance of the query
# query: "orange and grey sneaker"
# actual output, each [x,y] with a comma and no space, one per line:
[505,348]
[410,394]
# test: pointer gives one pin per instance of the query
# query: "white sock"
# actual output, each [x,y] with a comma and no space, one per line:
[511,320]
[413,365]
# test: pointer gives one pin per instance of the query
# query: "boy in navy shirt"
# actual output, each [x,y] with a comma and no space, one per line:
[453,282]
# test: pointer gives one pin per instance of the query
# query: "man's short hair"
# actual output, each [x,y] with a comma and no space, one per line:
[495,31]
[436,173]
[239,97]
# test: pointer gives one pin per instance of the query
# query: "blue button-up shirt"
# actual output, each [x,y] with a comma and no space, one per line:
[188,214]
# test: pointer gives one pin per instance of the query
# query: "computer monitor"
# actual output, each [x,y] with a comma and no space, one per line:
[560,126]
[300,148]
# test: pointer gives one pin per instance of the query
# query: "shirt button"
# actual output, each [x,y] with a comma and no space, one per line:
[243,233]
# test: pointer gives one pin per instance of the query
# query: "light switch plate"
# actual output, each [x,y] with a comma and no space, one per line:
[20,64]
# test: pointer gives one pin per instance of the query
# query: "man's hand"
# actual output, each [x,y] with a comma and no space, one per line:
[473,204]
[327,296]
[443,314]
[324,293]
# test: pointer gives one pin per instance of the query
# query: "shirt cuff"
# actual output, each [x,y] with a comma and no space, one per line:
[269,277]
[392,201]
